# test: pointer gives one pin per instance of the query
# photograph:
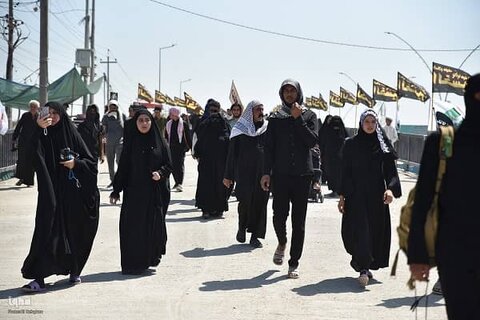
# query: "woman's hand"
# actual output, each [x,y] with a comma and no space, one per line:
[420,272]
[227,183]
[341,204]
[388,197]
[156,176]
[70,164]
[44,122]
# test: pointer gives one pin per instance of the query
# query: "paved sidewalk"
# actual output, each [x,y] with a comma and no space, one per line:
[205,274]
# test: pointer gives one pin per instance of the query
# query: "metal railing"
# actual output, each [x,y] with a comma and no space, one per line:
[8,159]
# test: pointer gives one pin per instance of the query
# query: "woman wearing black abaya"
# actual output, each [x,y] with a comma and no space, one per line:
[91,132]
[333,139]
[211,151]
[142,175]
[68,201]
[369,183]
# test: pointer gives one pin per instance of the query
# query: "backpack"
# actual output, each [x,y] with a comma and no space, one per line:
[431,223]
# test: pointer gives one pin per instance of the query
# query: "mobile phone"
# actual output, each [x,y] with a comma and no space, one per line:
[44,111]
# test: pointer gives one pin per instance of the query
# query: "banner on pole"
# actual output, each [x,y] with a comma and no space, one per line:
[382,92]
[448,79]
[364,98]
[336,101]
[408,89]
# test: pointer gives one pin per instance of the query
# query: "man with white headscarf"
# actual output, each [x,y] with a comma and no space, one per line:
[245,167]
[177,135]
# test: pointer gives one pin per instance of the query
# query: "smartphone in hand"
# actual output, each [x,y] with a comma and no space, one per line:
[44,111]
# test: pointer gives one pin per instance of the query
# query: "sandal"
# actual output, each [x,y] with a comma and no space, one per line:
[33,287]
[293,273]
[278,256]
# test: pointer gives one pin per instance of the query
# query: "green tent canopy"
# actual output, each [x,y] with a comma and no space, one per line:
[66,89]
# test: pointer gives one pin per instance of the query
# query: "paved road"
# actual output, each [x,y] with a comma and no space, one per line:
[205,274]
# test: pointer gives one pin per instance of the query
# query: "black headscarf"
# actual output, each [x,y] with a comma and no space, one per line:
[472,105]
[377,141]
[285,111]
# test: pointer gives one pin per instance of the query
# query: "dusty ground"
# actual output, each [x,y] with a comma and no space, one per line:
[205,274]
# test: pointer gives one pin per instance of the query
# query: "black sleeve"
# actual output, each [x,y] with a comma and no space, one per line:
[390,174]
[231,159]
[306,127]
[18,127]
[346,185]
[425,189]
[166,167]
[121,176]
[269,148]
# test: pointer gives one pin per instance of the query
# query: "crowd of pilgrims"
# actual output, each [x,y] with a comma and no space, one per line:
[247,155]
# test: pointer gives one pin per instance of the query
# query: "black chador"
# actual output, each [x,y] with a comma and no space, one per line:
[91,132]
[245,167]
[68,202]
[368,171]
[211,151]
[143,234]
[24,131]
[332,141]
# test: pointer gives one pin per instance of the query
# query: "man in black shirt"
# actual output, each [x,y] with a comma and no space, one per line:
[292,132]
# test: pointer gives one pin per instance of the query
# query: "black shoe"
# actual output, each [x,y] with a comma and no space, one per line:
[205,215]
[241,235]
[19,182]
[254,242]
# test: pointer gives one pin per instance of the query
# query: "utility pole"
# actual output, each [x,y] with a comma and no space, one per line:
[14,38]
[86,46]
[108,72]
[92,47]
[43,52]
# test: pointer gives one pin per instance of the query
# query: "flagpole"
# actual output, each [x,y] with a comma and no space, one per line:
[396,114]
[355,126]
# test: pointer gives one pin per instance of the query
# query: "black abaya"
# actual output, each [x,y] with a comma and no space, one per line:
[367,173]
[24,131]
[143,233]
[67,211]
[211,150]
[245,167]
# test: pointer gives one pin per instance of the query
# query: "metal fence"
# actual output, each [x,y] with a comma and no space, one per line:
[8,159]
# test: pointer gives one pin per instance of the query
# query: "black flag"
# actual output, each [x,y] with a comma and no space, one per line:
[382,92]
[364,98]
[448,79]
[409,89]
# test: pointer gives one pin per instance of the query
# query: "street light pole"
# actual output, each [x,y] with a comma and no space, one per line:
[160,64]
[430,113]
[181,82]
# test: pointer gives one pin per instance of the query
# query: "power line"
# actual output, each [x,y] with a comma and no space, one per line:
[292,36]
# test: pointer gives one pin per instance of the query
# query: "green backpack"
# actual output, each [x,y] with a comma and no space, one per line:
[431,223]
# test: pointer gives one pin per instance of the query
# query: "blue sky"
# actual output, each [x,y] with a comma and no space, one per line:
[213,54]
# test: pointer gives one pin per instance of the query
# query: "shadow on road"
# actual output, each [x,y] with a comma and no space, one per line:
[64,284]
[242,284]
[338,285]
[183,202]
[177,211]
[230,250]
[16,188]
[433,301]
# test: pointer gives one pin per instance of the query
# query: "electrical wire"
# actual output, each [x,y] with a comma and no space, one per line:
[292,36]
